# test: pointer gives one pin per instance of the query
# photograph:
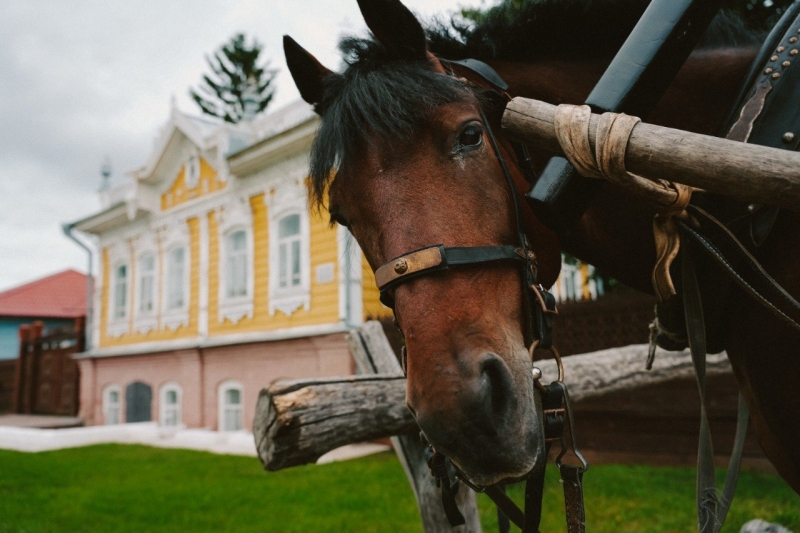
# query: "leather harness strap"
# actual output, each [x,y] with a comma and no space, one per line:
[714,239]
[438,257]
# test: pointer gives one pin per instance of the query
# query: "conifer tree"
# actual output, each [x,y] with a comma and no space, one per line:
[238,87]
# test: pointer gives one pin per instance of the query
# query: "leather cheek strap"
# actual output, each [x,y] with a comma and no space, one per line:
[437,257]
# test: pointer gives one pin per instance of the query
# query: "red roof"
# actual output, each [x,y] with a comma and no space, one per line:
[61,295]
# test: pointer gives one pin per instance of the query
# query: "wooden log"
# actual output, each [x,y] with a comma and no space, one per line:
[748,172]
[371,350]
[299,421]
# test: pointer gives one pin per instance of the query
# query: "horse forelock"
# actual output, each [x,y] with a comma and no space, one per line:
[376,97]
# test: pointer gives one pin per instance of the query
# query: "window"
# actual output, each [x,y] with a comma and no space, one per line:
[236,267]
[289,272]
[171,405]
[192,172]
[111,405]
[289,249]
[175,278]
[120,291]
[147,272]
[230,408]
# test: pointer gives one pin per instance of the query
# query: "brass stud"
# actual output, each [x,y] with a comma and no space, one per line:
[536,373]
[768,70]
[781,49]
[773,58]
[401,266]
[776,75]
[794,52]
[793,40]
[788,137]
[786,64]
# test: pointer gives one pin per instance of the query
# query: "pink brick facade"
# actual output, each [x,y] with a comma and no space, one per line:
[200,372]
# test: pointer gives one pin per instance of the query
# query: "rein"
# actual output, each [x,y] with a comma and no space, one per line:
[540,309]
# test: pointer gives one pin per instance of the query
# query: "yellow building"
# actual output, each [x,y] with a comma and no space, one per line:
[217,276]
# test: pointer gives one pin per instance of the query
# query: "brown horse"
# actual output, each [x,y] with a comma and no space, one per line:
[406,140]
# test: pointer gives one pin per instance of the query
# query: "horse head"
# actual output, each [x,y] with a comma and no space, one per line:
[404,160]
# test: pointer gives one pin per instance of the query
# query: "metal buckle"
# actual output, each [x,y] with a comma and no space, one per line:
[537,290]
[564,411]
[571,446]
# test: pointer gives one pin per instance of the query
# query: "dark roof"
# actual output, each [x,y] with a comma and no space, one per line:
[61,295]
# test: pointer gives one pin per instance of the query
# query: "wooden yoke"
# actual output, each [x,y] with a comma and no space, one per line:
[634,82]
[748,172]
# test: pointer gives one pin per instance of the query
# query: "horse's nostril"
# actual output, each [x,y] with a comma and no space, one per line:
[413,412]
[497,385]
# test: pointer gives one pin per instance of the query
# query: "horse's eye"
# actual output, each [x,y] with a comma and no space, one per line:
[472,136]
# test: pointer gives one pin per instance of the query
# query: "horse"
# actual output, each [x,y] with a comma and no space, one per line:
[404,159]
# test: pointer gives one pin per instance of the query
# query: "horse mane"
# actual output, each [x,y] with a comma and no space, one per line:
[379,95]
[526,30]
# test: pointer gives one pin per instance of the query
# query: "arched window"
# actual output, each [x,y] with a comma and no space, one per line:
[289,249]
[112,410]
[236,264]
[230,406]
[147,278]
[120,291]
[171,396]
[176,278]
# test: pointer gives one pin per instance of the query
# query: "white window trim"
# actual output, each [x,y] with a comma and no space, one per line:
[175,235]
[288,300]
[177,316]
[192,180]
[146,321]
[107,403]
[162,404]
[351,297]
[236,308]
[118,326]
[235,215]
[224,386]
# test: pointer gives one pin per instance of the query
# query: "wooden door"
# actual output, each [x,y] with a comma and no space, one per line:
[138,402]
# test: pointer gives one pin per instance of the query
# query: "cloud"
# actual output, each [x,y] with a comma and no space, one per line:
[91,79]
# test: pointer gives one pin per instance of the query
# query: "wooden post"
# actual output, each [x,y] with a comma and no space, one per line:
[373,355]
[748,172]
[35,356]
[24,336]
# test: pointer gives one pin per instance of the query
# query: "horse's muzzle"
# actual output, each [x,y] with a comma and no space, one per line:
[486,421]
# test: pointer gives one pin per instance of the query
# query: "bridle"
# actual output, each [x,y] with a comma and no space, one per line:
[540,305]
[540,310]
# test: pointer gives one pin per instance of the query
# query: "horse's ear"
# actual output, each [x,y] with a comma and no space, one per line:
[307,72]
[395,27]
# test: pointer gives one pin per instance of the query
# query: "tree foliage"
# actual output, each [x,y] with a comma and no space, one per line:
[238,86]
[759,14]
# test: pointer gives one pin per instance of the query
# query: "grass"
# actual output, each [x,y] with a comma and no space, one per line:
[638,498]
[142,489]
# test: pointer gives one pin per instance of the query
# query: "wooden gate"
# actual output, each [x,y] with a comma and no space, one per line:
[47,380]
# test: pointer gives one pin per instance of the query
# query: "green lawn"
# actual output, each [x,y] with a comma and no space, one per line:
[137,488]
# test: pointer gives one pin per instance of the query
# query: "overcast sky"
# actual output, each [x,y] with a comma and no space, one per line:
[84,80]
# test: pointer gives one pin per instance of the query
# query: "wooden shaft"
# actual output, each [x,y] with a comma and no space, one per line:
[299,421]
[748,172]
